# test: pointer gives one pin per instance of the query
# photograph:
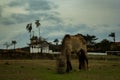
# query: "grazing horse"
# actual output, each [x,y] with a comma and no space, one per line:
[74,44]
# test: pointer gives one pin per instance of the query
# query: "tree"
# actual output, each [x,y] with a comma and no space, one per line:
[112,35]
[105,45]
[14,43]
[40,38]
[7,44]
[90,39]
[115,47]
[56,41]
[56,46]
[29,28]
[37,25]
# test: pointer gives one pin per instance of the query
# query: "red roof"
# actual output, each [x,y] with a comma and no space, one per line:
[118,43]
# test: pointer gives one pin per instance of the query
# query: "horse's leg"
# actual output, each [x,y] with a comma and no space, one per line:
[86,59]
[81,63]
[78,54]
[67,62]
[69,66]
[81,60]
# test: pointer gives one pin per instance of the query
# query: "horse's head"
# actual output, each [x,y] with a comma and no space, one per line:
[60,64]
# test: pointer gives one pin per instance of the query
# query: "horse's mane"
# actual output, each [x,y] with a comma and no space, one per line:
[67,36]
[81,38]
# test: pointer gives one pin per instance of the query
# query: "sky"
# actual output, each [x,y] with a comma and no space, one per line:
[57,18]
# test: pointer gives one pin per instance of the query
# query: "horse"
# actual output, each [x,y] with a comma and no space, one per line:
[74,44]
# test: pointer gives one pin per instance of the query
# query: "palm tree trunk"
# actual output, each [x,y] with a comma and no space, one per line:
[14,48]
[30,35]
[39,32]
[114,39]
[39,40]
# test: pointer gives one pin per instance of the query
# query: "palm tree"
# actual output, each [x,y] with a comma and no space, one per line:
[14,43]
[37,25]
[29,28]
[112,35]
[7,45]
[39,39]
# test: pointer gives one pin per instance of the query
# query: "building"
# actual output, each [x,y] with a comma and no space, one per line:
[39,45]
[117,43]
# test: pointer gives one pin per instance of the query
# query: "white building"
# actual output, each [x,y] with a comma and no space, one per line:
[39,45]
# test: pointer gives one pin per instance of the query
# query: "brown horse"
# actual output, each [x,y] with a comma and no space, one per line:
[74,44]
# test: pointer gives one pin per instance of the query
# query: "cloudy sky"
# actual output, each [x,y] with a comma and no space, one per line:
[57,18]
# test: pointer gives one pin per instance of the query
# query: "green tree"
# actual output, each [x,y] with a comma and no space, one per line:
[56,46]
[37,23]
[38,26]
[14,43]
[29,28]
[90,39]
[115,47]
[105,45]
[56,41]
[113,36]
[7,44]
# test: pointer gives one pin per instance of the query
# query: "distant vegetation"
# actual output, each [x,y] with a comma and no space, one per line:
[23,53]
[93,46]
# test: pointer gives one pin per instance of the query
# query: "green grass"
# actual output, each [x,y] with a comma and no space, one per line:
[46,70]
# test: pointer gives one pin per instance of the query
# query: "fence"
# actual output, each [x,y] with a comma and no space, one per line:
[117,53]
[27,55]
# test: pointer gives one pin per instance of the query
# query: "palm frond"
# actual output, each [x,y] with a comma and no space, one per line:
[37,23]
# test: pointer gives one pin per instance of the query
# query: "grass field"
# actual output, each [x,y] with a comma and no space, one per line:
[46,70]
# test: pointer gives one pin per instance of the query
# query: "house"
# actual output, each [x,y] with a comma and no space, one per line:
[117,43]
[39,45]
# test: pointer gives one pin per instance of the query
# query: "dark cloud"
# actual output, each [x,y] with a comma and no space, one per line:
[52,18]
[79,28]
[16,3]
[49,29]
[40,5]
[20,18]
[7,21]
[71,29]
[33,5]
